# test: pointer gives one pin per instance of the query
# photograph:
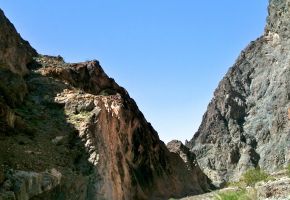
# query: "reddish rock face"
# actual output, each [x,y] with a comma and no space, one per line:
[130,160]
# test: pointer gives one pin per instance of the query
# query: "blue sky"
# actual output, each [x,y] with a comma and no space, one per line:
[169,54]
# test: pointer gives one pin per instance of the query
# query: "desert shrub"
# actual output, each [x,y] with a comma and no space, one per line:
[288,170]
[231,195]
[238,184]
[241,194]
[253,176]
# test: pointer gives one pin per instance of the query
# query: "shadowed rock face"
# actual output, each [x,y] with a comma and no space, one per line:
[68,131]
[191,164]
[246,123]
[15,54]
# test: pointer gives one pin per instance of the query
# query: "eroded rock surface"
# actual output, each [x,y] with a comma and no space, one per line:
[246,123]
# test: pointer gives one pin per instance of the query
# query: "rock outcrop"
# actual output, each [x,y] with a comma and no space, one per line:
[190,161]
[68,131]
[246,124]
[15,52]
[25,185]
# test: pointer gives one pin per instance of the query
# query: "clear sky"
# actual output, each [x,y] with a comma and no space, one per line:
[169,54]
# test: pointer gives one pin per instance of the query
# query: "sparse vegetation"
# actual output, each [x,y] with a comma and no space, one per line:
[107,92]
[241,194]
[231,195]
[239,184]
[288,170]
[250,178]
[253,176]
[77,119]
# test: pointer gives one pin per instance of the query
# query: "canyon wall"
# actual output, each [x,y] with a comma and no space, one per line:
[247,122]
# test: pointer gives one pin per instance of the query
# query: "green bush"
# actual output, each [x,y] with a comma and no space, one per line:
[232,195]
[288,170]
[241,194]
[238,184]
[253,176]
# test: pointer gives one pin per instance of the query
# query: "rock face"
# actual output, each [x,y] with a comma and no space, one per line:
[190,161]
[246,123]
[26,185]
[68,131]
[15,52]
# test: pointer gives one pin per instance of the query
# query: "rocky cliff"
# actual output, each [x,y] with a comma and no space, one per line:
[15,52]
[68,131]
[247,122]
